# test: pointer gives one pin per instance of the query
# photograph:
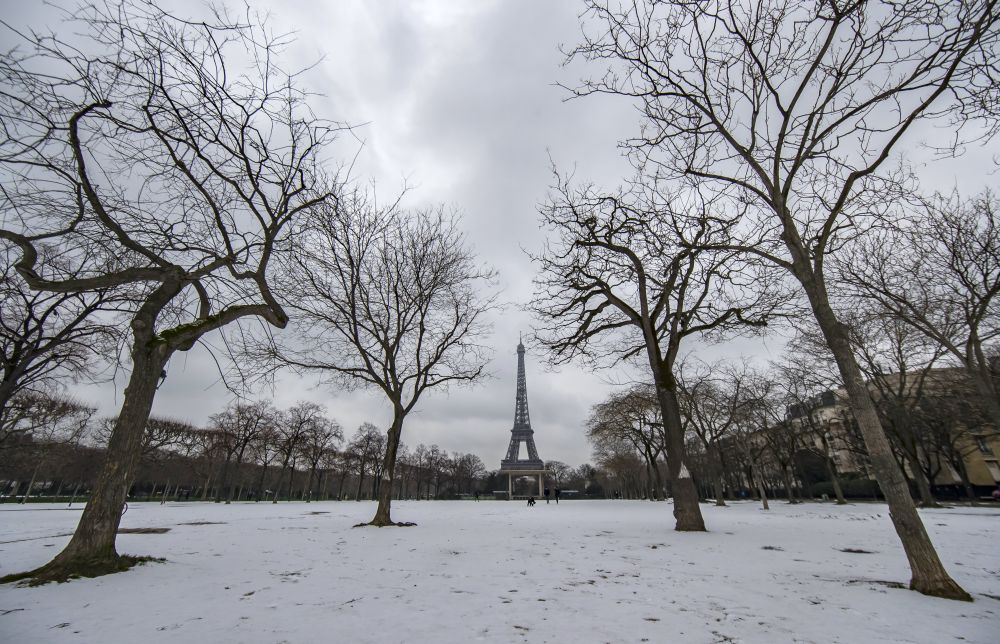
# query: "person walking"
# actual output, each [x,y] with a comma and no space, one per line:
[476,494]
[546,496]
[558,492]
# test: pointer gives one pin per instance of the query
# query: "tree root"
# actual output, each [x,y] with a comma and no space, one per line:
[75,569]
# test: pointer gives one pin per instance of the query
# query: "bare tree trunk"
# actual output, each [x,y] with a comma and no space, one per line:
[291,479]
[309,483]
[260,483]
[224,482]
[238,466]
[657,479]
[963,475]
[281,475]
[208,484]
[927,499]
[928,574]
[717,484]
[340,484]
[831,469]
[718,490]
[760,488]
[92,549]
[31,484]
[687,512]
[361,480]
[786,478]
[382,514]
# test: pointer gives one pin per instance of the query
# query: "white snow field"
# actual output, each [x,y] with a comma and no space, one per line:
[582,571]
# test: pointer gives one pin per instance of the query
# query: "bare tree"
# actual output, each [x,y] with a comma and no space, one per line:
[623,280]
[389,299]
[164,157]
[264,449]
[241,423]
[792,110]
[160,434]
[955,422]
[367,449]
[44,421]
[560,471]
[465,470]
[292,430]
[633,416]
[807,388]
[938,271]
[47,337]
[321,439]
[899,363]
[712,399]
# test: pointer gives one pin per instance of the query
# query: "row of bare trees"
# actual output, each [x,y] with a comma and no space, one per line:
[768,157]
[160,174]
[249,451]
[785,429]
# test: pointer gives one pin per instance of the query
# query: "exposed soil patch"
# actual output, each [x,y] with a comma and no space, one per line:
[203,523]
[857,551]
[143,530]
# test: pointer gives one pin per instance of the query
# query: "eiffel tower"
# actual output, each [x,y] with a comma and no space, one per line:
[512,465]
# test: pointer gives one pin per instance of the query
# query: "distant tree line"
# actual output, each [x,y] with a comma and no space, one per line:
[787,432]
[249,451]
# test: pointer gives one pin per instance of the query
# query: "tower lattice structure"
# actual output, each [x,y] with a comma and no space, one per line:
[522,432]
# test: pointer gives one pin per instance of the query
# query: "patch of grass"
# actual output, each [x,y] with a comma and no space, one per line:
[76,569]
[779,549]
[203,523]
[857,551]
[143,530]
[396,524]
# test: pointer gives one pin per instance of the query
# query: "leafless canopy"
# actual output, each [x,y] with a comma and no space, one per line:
[938,272]
[144,159]
[45,337]
[624,276]
[793,106]
[386,298]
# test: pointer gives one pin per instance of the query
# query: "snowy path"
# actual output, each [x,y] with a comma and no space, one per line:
[583,571]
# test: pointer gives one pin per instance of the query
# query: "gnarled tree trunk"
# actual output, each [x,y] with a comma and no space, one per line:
[92,549]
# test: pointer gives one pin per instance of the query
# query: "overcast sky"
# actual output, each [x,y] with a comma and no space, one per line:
[459,100]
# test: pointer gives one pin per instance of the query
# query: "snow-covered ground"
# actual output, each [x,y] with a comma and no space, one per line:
[582,571]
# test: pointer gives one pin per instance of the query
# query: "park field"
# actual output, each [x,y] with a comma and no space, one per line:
[581,571]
